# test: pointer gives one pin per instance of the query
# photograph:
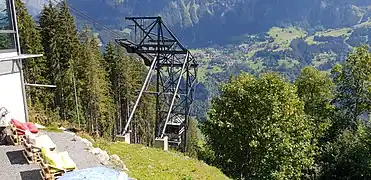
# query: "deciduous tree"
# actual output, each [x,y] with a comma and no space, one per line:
[258,129]
[353,92]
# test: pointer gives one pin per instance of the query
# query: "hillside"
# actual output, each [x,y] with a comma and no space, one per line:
[145,163]
[230,36]
[192,20]
[281,49]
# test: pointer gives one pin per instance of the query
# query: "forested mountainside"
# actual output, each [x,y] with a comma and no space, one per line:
[205,22]
[230,36]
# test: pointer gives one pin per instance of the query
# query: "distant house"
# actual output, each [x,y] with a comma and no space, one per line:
[12,90]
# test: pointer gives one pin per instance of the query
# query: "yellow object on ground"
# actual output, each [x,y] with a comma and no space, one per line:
[67,161]
[58,160]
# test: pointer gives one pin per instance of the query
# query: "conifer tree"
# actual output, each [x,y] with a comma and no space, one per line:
[145,116]
[115,71]
[98,105]
[126,76]
[145,120]
[68,54]
[35,69]
[48,30]
[192,139]
[49,24]
[30,41]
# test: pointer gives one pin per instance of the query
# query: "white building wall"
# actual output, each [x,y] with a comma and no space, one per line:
[11,96]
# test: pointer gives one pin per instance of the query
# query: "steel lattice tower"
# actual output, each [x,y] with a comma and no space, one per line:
[173,70]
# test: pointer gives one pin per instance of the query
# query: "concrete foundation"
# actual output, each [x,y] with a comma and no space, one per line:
[162,143]
[125,138]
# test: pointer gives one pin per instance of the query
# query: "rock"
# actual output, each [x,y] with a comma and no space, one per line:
[103,157]
[105,153]
[114,157]
[90,149]
[95,151]
[117,162]
[87,142]
[76,138]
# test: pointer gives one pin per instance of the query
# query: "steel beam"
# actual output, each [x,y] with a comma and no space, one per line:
[175,69]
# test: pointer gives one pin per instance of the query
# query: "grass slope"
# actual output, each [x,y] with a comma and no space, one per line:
[335,32]
[284,36]
[150,163]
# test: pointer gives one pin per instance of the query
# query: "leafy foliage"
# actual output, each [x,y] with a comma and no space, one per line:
[353,88]
[349,156]
[316,90]
[262,129]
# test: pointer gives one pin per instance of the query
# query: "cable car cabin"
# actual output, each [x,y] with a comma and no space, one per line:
[174,130]
[12,91]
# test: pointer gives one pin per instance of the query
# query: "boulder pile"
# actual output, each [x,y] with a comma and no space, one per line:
[114,160]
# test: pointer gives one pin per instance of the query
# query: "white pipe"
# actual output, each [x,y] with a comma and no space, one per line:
[41,85]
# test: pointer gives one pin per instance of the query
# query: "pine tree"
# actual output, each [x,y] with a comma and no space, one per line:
[30,41]
[192,139]
[144,119]
[49,25]
[118,70]
[68,51]
[34,68]
[97,102]
[110,58]
[48,30]
[126,76]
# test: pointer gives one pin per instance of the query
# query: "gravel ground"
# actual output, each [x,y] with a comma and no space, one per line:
[76,150]
[13,166]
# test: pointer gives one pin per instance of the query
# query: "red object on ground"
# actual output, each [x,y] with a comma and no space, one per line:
[31,126]
[22,127]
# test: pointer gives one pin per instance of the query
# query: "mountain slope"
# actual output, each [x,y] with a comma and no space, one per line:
[205,22]
[147,163]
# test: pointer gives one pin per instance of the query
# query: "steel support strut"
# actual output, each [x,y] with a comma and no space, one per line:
[144,86]
[175,70]
[173,99]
